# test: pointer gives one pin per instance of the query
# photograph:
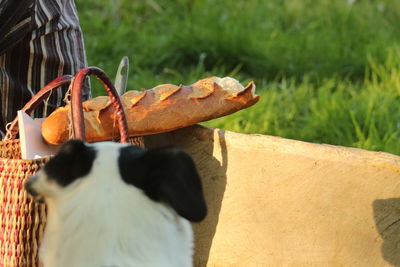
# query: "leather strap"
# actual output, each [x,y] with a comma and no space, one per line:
[36,100]
[77,117]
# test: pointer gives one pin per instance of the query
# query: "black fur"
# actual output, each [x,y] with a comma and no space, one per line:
[167,175]
[74,160]
[29,188]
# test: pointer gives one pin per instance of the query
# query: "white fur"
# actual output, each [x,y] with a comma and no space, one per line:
[100,220]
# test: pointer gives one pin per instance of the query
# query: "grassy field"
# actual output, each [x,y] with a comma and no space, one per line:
[328,71]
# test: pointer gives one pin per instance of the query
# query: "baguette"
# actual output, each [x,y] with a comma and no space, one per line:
[163,108]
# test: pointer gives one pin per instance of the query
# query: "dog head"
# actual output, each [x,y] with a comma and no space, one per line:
[165,175]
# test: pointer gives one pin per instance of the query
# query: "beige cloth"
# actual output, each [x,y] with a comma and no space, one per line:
[279,202]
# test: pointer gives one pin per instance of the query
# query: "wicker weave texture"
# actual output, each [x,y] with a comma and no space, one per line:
[22,220]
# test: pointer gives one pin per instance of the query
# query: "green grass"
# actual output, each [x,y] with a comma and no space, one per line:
[327,71]
[358,114]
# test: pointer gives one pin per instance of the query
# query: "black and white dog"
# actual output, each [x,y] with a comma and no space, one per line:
[117,205]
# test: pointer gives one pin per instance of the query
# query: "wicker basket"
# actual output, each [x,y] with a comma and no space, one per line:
[22,220]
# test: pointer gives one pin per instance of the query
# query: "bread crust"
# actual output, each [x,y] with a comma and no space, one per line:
[163,108]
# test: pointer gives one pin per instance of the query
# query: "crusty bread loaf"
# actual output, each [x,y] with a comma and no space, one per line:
[163,108]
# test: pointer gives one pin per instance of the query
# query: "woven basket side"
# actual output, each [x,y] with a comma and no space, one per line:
[137,140]
[22,220]
[10,149]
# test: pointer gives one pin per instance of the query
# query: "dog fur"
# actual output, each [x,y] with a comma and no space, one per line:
[117,205]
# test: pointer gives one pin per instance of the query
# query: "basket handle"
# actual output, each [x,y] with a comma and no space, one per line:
[76,103]
[36,100]
[77,117]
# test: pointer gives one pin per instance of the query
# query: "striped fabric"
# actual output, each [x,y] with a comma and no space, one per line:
[39,41]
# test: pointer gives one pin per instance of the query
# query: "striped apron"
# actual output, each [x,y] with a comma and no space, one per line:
[39,41]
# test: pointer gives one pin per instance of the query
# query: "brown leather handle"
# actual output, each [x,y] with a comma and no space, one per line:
[36,100]
[77,117]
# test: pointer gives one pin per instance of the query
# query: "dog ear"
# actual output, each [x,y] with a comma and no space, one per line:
[170,175]
[74,160]
[73,147]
